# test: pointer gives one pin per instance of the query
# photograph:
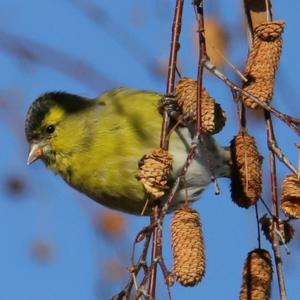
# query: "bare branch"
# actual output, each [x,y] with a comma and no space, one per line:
[292,122]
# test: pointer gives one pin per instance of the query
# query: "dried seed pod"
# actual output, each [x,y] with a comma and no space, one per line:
[285,228]
[290,198]
[246,174]
[188,246]
[213,117]
[263,61]
[154,171]
[257,276]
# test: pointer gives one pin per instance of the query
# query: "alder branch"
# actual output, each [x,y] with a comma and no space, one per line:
[272,144]
[164,143]
[275,209]
[291,122]
[170,88]
[198,5]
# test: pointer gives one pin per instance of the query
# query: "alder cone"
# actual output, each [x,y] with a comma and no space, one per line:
[154,171]
[285,228]
[257,276]
[246,174]
[262,62]
[188,246]
[213,118]
[290,199]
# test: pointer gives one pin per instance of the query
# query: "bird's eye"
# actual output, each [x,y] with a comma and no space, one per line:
[50,129]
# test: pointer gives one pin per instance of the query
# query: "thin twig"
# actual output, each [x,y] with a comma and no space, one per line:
[180,177]
[268,10]
[258,228]
[292,122]
[198,5]
[136,267]
[227,61]
[170,197]
[176,29]
[266,206]
[156,240]
[164,144]
[169,277]
[275,210]
[282,240]
[276,150]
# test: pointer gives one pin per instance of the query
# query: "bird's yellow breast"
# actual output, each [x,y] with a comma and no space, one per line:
[105,146]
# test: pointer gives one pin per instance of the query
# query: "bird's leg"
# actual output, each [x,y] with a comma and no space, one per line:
[168,104]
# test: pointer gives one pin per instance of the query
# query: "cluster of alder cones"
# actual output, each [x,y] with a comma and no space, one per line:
[246,179]
[187,237]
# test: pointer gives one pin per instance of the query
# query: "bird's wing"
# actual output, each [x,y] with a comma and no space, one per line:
[128,126]
[126,93]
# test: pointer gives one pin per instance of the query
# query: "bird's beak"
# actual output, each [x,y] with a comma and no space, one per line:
[35,152]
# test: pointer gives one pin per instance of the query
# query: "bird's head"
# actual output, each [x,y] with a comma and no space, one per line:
[49,122]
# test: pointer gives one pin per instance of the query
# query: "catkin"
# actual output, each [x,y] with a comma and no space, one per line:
[286,230]
[213,118]
[263,61]
[188,246]
[257,276]
[154,171]
[246,174]
[290,199]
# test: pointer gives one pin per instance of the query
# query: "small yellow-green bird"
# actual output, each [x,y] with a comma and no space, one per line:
[96,144]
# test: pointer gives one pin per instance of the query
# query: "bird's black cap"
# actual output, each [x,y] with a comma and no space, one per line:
[40,107]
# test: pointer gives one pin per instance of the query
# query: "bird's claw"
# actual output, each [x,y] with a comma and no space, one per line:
[168,104]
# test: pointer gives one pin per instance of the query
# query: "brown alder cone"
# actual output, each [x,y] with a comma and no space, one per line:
[188,246]
[257,276]
[246,174]
[290,198]
[285,228]
[263,61]
[154,171]
[212,116]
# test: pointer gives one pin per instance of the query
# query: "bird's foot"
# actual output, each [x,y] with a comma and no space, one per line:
[168,104]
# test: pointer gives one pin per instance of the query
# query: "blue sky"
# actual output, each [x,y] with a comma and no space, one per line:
[66,50]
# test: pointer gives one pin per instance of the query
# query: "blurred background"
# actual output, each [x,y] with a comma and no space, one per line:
[58,244]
